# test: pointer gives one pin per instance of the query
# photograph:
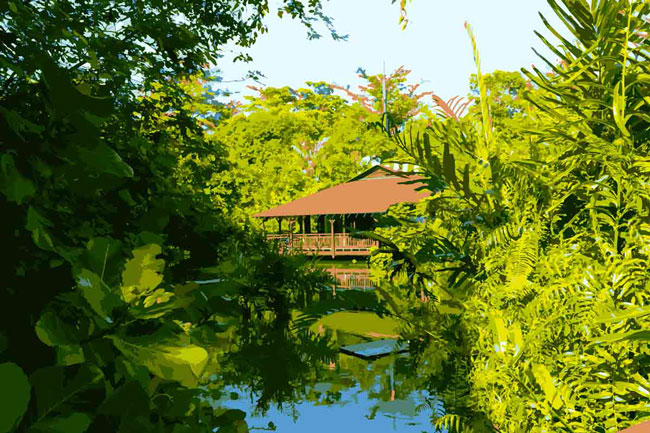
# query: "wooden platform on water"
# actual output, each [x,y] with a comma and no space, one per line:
[374,349]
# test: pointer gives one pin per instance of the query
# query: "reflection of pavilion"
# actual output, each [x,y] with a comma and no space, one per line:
[322,223]
[351,278]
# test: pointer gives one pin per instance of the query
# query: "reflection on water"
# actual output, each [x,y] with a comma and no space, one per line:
[359,396]
[267,361]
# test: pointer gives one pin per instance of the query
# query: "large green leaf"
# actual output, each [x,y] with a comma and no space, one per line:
[14,396]
[103,256]
[74,423]
[231,421]
[127,400]
[67,99]
[142,273]
[102,159]
[13,184]
[237,426]
[184,364]
[53,331]
[100,297]
[55,387]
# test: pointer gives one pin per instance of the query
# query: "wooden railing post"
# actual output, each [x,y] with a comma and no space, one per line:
[333,244]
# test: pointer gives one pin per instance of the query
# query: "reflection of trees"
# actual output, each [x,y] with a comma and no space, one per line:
[268,347]
[275,364]
[281,367]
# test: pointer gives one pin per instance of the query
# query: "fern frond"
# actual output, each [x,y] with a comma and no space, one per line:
[450,423]
[522,259]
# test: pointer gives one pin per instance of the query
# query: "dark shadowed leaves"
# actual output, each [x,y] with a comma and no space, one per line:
[127,400]
[13,184]
[74,423]
[58,387]
[14,396]
[54,331]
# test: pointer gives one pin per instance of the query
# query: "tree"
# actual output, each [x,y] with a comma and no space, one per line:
[103,210]
[287,143]
[389,94]
[534,262]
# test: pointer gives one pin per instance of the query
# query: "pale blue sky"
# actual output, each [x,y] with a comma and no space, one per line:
[435,45]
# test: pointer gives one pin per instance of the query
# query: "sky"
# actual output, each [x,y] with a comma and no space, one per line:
[435,45]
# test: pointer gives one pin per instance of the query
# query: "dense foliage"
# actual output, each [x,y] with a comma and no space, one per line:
[104,161]
[523,293]
[287,143]
[534,253]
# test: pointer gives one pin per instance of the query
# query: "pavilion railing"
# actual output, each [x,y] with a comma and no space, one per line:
[324,243]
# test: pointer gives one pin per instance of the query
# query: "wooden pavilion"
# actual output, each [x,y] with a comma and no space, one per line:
[326,218]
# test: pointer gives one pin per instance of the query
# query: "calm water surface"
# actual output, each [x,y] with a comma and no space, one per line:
[363,396]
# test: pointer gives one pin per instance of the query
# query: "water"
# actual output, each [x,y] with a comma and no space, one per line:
[361,396]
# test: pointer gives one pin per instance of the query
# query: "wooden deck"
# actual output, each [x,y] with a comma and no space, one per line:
[321,244]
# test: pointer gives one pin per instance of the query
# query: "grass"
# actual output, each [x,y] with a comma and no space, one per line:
[361,323]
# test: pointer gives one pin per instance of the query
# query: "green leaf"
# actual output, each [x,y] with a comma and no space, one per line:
[100,297]
[499,332]
[621,315]
[127,400]
[14,185]
[228,416]
[65,97]
[69,355]
[643,335]
[184,364]
[238,426]
[545,381]
[102,159]
[53,331]
[37,224]
[141,274]
[14,396]
[56,386]
[618,108]
[182,400]
[74,423]
[231,421]
[132,372]
[103,256]
[19,124]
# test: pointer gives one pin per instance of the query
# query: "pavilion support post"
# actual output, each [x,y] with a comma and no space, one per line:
[279,225]
[307,219]
[291,222]
[333,244]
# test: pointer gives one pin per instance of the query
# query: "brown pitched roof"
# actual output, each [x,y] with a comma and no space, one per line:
[640,428]
[371,192]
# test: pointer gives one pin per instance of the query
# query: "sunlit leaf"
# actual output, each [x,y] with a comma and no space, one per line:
[142,273]
[184,364]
